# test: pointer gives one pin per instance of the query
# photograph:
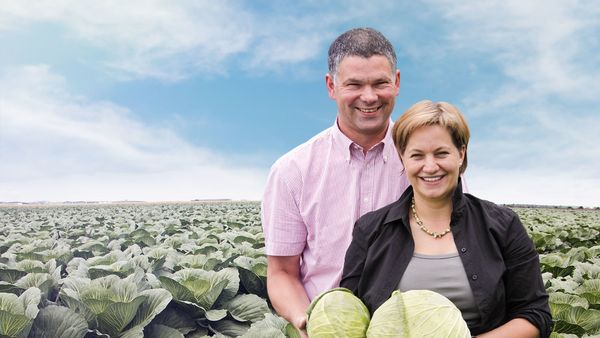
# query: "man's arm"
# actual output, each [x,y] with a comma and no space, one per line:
[517,327]
[285,289]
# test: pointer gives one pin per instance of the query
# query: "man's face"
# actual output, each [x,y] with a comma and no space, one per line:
[365,91]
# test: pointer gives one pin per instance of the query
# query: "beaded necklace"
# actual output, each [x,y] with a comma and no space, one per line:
[422,227]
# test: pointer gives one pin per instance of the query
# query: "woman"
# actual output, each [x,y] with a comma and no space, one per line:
[436,237]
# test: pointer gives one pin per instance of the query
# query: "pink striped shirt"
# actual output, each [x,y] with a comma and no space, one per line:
[316,192]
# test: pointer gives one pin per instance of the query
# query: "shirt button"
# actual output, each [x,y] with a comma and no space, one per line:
[474,277]
[366,199]
[463,250]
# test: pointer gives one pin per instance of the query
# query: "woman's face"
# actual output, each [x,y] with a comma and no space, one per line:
[432,163]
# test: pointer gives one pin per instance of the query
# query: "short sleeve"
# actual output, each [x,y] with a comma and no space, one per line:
[284,228]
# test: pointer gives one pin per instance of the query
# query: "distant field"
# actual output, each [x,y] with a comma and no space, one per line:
[199,269]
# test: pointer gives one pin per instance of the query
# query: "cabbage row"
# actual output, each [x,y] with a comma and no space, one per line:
[199,270]
[568,241]
[175,270]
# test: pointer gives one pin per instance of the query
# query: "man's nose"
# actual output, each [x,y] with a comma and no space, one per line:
[368,94]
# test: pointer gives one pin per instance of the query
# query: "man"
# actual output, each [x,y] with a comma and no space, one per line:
[318,190]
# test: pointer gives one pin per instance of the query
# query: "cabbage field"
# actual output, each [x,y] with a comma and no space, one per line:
[199,270]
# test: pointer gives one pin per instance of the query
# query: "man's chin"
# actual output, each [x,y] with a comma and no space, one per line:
[373,126]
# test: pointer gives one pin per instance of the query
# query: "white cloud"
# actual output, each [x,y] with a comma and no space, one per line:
[277,50]
[180,185]
[57,146]
[153,38]
[173,40]
[525,186]
[546,47]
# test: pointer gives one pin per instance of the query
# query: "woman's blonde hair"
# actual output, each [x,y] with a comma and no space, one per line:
[428,113]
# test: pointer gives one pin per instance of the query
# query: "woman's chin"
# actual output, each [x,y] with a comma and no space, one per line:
[433,194]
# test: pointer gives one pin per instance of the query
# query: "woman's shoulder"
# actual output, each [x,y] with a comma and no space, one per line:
[495,215]
[488,205]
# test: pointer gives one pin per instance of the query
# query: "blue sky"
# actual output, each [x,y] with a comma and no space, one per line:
[178,100]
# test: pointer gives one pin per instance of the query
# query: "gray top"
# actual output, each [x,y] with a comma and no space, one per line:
[445,275]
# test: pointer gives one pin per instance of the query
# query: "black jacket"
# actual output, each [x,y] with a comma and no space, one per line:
[498,256]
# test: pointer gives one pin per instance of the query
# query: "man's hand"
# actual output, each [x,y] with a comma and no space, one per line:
[300,324]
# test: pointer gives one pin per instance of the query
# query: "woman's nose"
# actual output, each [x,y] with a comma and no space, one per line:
[430,164]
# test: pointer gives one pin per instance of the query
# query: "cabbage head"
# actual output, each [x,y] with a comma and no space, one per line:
[337,313]
[418,313]
[113,306]
[18,312]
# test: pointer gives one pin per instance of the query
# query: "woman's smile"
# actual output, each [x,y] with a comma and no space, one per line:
[432,162]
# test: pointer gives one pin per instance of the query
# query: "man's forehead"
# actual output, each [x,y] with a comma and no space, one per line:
[372,63]
[383,76]
[365,71]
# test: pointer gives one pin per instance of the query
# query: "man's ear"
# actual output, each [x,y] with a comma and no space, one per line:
[330,84]
[397,84]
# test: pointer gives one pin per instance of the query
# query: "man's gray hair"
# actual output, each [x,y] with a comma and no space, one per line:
[363,42]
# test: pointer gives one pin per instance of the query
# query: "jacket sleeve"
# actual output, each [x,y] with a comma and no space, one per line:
[356,256]
[526,296]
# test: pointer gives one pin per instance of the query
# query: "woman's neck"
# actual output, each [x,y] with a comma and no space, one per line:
[433,210]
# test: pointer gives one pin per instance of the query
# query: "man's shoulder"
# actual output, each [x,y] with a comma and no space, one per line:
[307,150]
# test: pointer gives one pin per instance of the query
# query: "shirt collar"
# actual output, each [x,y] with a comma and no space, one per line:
[389,149]
[345,143]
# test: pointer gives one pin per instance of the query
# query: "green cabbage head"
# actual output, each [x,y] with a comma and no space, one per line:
[17,313]
[337,313]
[417,313]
